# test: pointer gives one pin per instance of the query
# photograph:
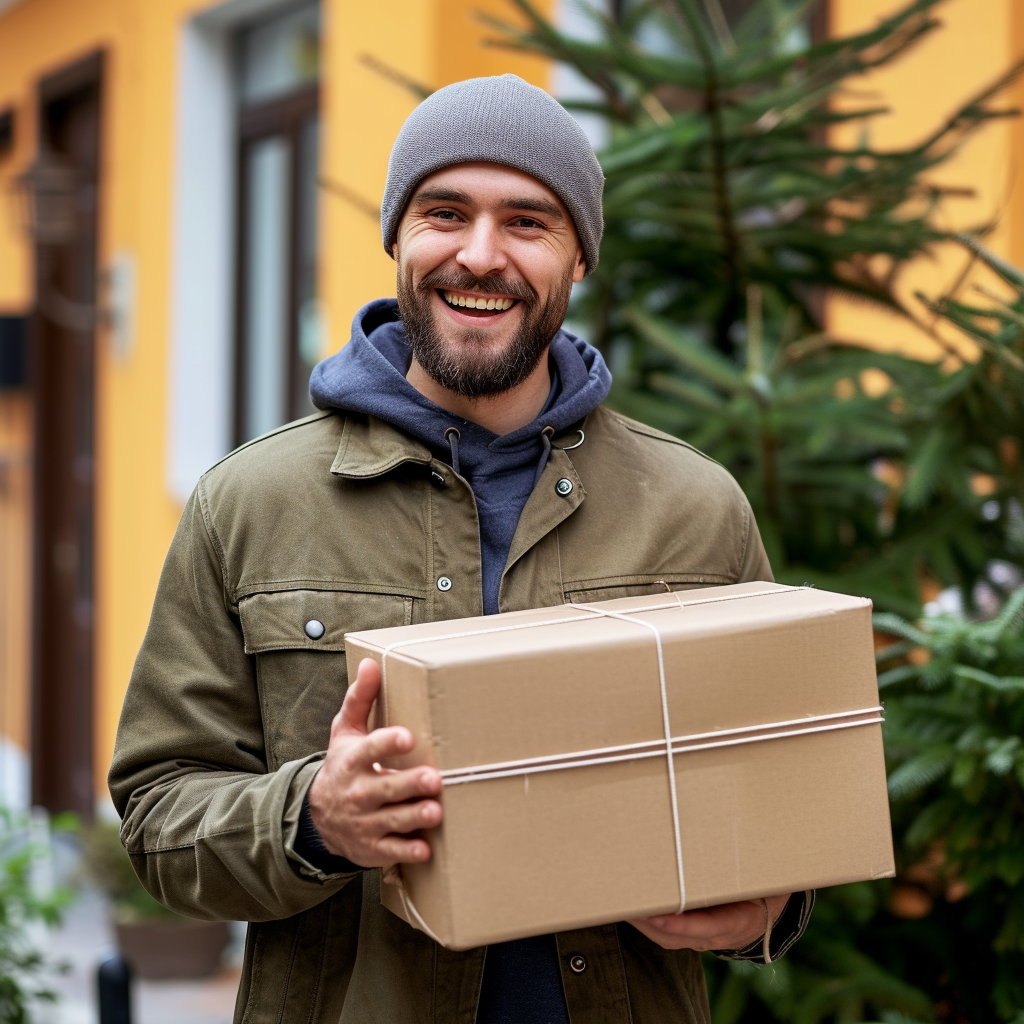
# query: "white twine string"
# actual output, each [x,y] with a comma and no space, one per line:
[593,613]
[668,738]
[640,751]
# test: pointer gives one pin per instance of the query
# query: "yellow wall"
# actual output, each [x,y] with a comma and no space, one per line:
[979,40]
[431,41]
[15,545]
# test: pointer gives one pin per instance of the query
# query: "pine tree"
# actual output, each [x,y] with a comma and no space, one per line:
[729,213]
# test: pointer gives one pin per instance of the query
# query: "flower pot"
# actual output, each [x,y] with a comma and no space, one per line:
[173,949]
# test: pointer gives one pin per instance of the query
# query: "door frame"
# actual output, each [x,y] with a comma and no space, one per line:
[52,785]
[283,117]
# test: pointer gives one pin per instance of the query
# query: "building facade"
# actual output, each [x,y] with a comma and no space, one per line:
[221,165]
[212,174]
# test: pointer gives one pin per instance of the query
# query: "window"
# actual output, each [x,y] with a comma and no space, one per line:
[278,337]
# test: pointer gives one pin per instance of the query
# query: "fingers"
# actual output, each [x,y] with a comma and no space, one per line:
[730,926]
[371,792]
[355,709]
[383,837]
[398,786]
[403,818]
[396,850]
[379,745]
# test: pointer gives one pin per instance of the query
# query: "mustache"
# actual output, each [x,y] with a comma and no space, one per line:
[444,278]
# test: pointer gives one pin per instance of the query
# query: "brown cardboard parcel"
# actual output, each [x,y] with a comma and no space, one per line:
[562,808]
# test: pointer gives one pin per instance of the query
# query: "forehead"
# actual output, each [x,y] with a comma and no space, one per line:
[486,185]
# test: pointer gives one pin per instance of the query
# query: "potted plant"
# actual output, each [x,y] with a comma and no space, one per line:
[158,943]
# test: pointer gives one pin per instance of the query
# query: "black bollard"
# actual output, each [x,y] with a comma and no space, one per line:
[114,988]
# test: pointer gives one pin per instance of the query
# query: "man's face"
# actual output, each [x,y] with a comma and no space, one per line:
[486,260]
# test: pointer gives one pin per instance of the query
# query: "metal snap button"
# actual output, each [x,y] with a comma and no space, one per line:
[314,629]
[444,584]
[564,486]
[578,963]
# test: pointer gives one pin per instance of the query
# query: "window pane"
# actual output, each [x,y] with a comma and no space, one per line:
[265,344]
[281,56]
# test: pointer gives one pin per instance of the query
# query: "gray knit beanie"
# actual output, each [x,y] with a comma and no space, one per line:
[498,120]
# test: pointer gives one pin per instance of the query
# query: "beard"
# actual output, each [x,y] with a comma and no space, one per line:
[468,362]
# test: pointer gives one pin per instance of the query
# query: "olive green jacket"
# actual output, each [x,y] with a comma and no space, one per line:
[345,519]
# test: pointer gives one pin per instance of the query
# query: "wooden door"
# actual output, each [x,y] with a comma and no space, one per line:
[63,383]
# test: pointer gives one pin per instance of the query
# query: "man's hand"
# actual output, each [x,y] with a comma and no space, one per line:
[730,926]
[364,812]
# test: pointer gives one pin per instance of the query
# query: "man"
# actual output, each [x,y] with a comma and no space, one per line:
[463,464]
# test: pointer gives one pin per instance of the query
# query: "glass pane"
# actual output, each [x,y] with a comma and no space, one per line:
[281,56]
[309,328]
[265,344]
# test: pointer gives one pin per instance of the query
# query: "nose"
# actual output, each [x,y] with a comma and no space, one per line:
[481,251]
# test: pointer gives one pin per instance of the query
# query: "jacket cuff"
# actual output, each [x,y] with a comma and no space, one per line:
[790,926]
[303,846]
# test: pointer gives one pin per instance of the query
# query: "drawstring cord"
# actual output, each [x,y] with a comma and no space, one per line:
[545,439]
[452,436]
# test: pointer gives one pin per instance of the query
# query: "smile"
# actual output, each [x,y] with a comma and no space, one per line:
[481,305]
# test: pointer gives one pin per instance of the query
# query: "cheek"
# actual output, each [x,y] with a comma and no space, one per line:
[544,266]
[424,251]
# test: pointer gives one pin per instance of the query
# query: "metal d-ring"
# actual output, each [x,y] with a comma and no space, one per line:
[570,447]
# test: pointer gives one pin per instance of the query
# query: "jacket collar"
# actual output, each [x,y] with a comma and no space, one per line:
[370,448]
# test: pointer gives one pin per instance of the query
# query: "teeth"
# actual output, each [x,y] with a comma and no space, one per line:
[470,302]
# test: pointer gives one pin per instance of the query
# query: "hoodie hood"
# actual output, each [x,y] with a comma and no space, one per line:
[368,376]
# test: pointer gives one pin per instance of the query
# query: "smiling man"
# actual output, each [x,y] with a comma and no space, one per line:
[463,464]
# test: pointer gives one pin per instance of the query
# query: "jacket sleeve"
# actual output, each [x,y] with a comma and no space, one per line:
[211,833]
[754,562]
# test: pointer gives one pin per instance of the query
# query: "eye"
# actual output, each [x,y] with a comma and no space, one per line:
[527,222]
[448,215]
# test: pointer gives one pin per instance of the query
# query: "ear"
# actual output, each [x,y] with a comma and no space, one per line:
[579,271]
[394,250]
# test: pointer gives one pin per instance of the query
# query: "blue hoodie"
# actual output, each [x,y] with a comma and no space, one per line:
[368,376]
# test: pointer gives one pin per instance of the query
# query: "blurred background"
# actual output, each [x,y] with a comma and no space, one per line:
[813,218]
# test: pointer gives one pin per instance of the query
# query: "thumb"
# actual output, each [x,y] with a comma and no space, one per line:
[355,709]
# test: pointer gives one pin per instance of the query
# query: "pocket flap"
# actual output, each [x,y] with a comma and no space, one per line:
[291,619]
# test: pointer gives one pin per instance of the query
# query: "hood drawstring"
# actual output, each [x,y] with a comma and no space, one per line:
[545,438]
[452,436]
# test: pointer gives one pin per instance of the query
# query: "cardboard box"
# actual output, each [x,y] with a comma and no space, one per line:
[560,808]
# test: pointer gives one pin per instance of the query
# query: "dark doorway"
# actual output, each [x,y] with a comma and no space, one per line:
[63,381]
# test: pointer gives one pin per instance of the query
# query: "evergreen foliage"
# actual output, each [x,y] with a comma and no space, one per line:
[945,940]
[955,739]
[25,972]
[730,211]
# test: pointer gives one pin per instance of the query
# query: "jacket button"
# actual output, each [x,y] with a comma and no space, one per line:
[437,479]
[564,486]
[578,963]
[314,629]
[444,584]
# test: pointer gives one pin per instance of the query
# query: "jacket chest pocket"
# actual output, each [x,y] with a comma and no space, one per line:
[298,640]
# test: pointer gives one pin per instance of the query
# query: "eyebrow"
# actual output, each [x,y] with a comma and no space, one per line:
[534,205]
[531,204]
[442,195]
